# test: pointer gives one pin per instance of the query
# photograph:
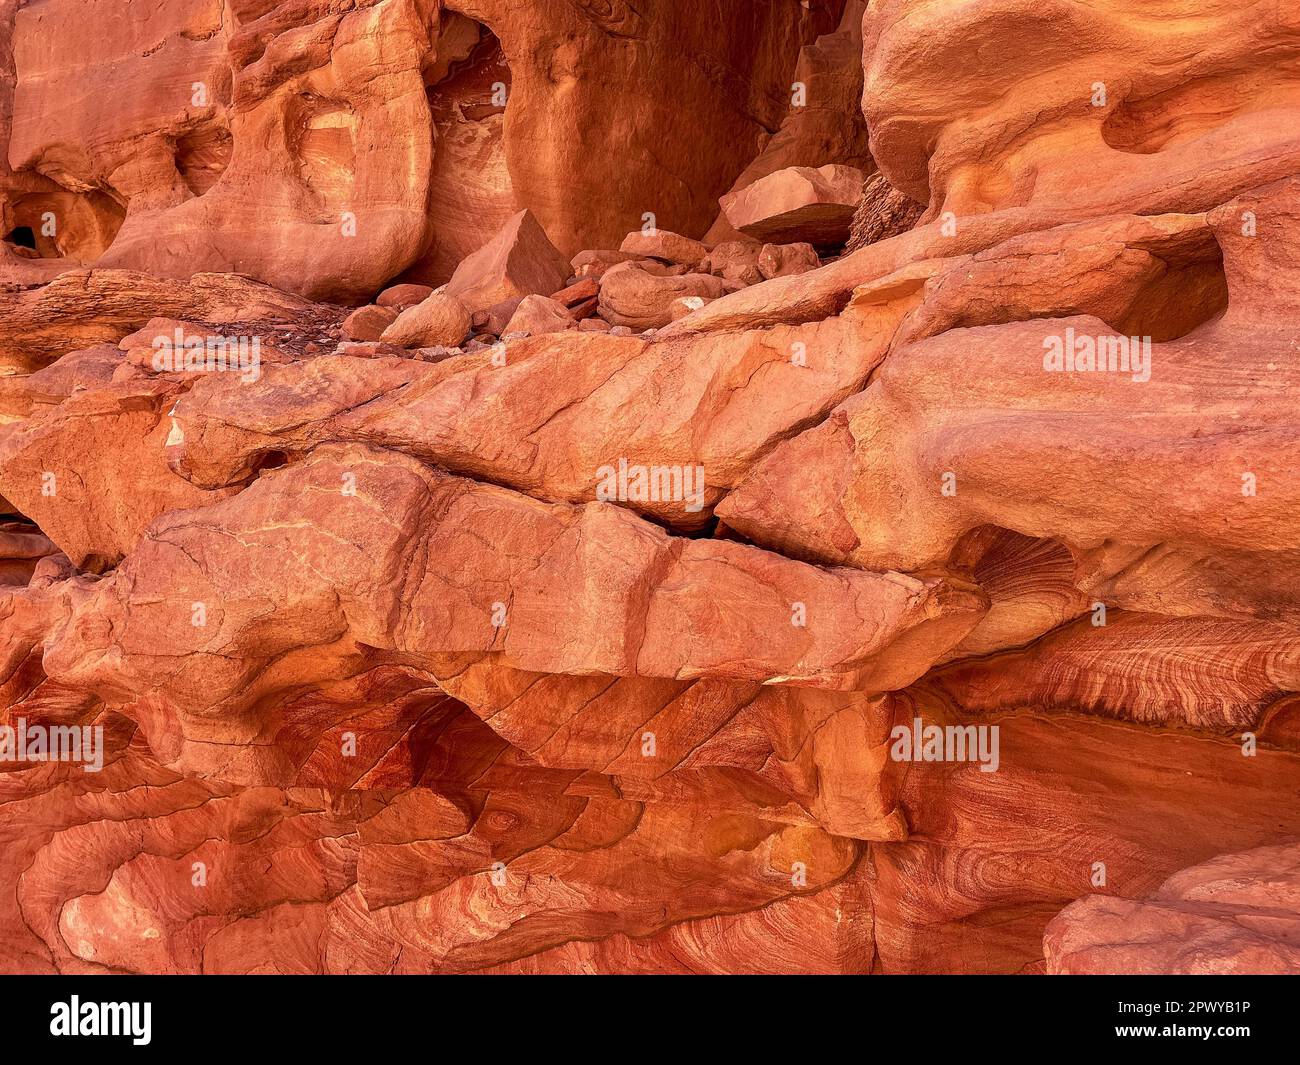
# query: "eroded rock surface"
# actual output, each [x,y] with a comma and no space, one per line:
[1233,914]
[473,518]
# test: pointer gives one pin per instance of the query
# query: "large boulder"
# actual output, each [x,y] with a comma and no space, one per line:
[798,205]
[519,261]
[441,319]
[1234,915]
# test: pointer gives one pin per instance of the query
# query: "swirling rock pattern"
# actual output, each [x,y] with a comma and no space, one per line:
[817,624]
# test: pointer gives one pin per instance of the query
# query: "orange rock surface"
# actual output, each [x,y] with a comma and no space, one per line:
[594,486]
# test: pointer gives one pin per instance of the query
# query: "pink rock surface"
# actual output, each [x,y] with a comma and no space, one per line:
[1235,914]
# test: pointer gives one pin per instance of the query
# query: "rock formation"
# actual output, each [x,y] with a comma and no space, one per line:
[1233,914]
[608,486]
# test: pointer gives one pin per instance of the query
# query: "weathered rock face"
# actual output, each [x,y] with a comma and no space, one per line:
[1125,109]
[326,148]
[1238,913]
[798,202]
[825,123]
[425,561]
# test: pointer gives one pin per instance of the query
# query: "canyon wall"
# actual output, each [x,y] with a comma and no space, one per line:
[605,486]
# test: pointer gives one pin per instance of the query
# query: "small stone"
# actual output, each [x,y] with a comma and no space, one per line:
[403,296]
[368,323]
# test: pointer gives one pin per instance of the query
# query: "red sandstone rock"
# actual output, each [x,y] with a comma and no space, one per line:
[495,319]
[824,123]
[1234,914]
[368,140]
[81,308]
[372,349]
[593,652]
[798,204]
[539,314]
[882,212]
[558,410]
[781,260]
[577,294]
[368,323]
[1136,513]
[735,260]
[593,264]
[661,244]
[403,296]
[438,319]
[61,465]
[519,261]
[631,295]
[684,305]
[21,548]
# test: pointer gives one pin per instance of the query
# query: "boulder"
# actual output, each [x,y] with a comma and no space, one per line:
[403,296]
[441,319]
[798,205]
[735,260]
[632,296]
[664,245]
[828,125]
[368,323]
[782,260]
[495,318]
[539,314]
[519,261]
[593,264]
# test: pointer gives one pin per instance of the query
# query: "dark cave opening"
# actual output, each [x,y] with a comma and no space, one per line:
[22,237]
